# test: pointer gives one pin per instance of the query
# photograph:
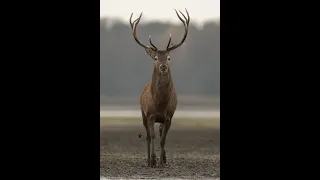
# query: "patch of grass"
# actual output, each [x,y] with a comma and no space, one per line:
[177,122]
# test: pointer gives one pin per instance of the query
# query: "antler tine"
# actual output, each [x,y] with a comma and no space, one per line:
[187,19]
[169,42]
[180,17]
[184,22]
[186,26]
[188,16]
[152,43]
[131,24]
[134,25]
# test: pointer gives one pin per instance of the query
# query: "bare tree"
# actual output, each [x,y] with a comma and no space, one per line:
[158,99]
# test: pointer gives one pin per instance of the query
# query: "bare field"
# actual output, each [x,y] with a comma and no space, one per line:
[192,147]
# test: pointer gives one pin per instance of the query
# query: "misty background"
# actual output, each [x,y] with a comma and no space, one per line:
[125,67]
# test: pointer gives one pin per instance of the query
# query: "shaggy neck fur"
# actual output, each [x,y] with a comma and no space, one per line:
[161,87]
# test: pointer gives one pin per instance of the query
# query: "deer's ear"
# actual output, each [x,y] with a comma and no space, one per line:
[150,52]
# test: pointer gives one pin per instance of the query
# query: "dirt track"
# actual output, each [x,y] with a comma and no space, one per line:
[192,153]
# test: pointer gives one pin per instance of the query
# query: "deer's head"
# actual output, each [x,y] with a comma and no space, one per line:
[161,58]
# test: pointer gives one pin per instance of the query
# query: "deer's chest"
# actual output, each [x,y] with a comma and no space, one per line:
[161,109]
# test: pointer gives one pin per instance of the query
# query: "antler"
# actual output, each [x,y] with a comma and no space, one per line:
[152,43]
[134,28]
[186,26]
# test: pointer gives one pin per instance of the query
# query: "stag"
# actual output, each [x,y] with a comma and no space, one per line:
[158,100]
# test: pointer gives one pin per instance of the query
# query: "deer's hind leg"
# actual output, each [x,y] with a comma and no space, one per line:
[161,129]
[151,121]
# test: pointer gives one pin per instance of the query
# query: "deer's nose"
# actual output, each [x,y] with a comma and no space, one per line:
[163,67]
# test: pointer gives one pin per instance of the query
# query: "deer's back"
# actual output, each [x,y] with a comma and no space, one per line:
[148,105]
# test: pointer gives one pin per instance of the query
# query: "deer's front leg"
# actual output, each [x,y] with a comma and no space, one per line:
[148,141]
[151,122]
[166,128]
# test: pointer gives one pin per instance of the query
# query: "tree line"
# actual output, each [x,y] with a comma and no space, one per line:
[125,67]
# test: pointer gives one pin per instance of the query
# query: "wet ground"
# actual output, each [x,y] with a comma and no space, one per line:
[192,151]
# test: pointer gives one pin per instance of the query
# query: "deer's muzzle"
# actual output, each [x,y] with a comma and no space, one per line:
[163,68]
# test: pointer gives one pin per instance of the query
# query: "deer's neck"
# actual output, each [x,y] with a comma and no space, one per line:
[161,87]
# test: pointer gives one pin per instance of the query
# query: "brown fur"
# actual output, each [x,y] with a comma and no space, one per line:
[158,100]
[159,95]
[158,103]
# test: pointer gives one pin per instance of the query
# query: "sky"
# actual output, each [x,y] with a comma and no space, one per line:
[199,10]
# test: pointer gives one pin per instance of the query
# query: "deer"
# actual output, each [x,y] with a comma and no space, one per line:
[158,100]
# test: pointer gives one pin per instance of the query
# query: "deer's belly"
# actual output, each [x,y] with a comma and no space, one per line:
[160,118]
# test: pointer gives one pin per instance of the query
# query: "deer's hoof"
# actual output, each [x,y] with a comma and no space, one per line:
[153,160]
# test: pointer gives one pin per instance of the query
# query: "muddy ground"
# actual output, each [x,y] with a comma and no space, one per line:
[192,152]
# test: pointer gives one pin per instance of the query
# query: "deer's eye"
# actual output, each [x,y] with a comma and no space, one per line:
[156,58]
[168,58]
